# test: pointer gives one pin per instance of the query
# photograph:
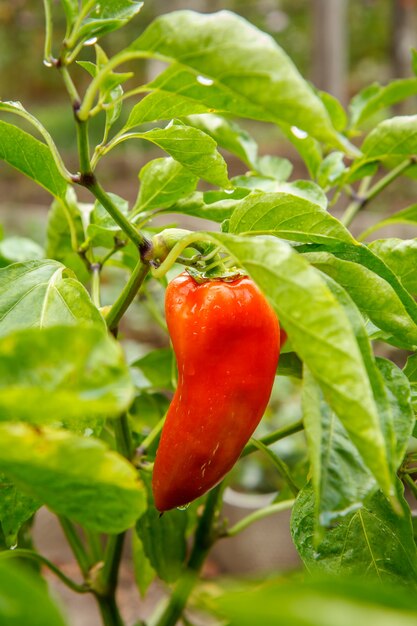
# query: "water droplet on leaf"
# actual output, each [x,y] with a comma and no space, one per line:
[203,80]
[47,63]
[184,507]
[90,42]
[298,132]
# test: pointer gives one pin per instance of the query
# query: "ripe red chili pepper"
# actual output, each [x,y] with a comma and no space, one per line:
[226,340]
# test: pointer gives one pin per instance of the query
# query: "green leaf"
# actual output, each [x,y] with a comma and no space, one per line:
[222,61]
[74,476]
[207,205]
[31,157]
[399,397]
[15,509]
[405,216]
[331,169]
[106,16]
[24,599]
[290,365]
[157,366]
[335,110]
[340,478]
[410,370]
[192,148]
[228,135]
[322,336]
[373,542]
[394,137]
[15,249]
[71,8]
[147,409]
[143,570]
[43,293]
[159,105]
[376,97]
[401,257]
[287,216]
[275,167]
[373,287]
[65,234]
[162,183]
[163,538]
[324,601]
[62,373]
[102,229]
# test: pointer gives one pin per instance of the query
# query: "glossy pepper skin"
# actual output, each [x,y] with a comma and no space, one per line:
[225,337]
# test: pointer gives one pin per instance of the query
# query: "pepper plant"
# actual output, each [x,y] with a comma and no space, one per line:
[71,435]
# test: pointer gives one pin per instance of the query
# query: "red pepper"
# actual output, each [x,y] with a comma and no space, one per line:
[226,340]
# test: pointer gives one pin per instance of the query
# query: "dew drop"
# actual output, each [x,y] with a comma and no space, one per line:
[228,191]
[47,63]
[184,507]
[297,132]
[13,547]
[90,42]
[203,80]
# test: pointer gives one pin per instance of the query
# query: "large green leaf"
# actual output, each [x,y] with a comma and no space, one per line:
[102,229]
[162,183]
[287,216]
[322,335]
[194,149]
[24,599]
[401,257]
[43,293]
[62,373]
[222,61]
[374,541]
[207,205]
[372,285]
[15,509]
[31,157]
[324,601]
[74,476]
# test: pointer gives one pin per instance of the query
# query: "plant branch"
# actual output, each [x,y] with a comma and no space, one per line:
[48,56]
[279,464]
[204,539]
[127,295]
[76,545]
[359,201]
[410,482]
[70,87]
[281,433]
[95,284]
[140,241]
[258,515]
[83,144]
[30,554]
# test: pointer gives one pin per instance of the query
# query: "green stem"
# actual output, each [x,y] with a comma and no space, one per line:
[114,62]
[365,195]
[83,144]
[204,538]
[94,544]
[70,43]
[30,554]
[48,56]
[389,178]
[95,284]
[105,200]
[281,433]
[70,86]
[258,515]
[77,547]
[281,466]
[410,482]
[357,204]
[109,611]
[127,295]
[150,438]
